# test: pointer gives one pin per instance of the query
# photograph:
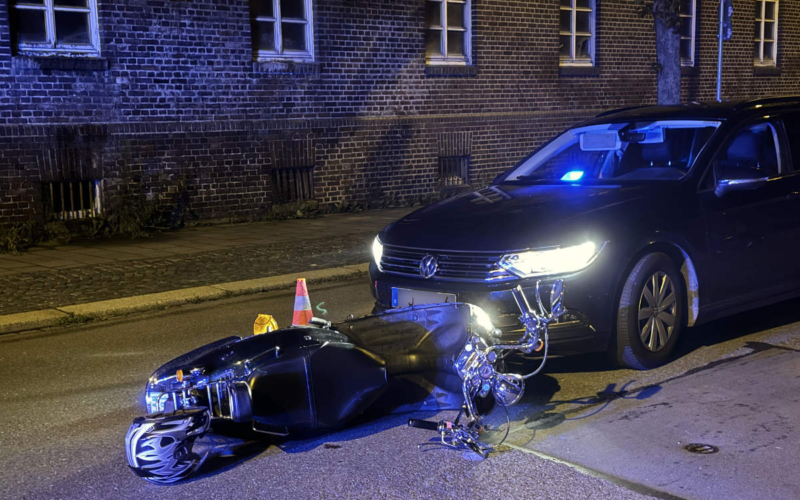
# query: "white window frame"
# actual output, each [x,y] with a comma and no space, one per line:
[760,38]
[446,59]
[693,33]
[573,34]
[279,54]
[50,47]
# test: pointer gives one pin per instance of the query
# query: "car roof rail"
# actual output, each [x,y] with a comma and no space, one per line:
[767,101]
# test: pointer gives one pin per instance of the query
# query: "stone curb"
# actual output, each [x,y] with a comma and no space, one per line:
[33,320]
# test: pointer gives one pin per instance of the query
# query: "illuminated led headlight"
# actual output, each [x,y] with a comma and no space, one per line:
[377,252]
[552,261]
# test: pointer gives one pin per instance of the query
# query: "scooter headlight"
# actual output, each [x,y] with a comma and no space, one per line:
[155,400]
[481,319]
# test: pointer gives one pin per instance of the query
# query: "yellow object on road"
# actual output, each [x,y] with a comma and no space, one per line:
[264,323]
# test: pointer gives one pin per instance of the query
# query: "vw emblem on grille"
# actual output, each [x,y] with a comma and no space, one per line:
[428,266]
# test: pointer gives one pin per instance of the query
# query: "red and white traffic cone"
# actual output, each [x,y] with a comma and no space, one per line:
[302,304]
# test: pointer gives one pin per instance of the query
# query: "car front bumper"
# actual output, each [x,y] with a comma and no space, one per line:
[589,296]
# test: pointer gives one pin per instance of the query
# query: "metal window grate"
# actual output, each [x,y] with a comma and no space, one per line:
[69,200]
[291,184]
[454,170]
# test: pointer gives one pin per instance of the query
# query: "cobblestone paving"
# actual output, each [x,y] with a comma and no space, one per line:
[41,290]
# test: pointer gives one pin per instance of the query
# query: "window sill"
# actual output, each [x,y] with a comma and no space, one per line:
[766,71]
[690,71]
[285,67]
[450,70]
[578,70]
[32,62]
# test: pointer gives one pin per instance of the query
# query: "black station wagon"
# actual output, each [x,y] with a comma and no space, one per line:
[657,219]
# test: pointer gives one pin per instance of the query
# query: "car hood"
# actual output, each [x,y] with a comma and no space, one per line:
[511,217]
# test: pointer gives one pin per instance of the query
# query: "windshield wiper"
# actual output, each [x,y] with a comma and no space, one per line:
[530,179]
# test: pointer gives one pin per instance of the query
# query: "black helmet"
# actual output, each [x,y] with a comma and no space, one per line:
[159,446]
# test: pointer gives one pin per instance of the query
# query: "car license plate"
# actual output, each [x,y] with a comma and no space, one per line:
[403,297]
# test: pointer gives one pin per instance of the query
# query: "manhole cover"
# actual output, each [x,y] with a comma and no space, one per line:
[700,448]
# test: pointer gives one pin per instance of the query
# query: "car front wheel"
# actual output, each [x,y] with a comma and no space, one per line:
[650,313]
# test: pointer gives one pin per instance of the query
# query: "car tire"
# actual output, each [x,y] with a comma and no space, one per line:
[650,313]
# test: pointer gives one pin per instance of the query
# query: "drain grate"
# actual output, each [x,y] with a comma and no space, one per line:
[701,449]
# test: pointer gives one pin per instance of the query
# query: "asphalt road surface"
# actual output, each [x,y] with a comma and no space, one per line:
[583,430]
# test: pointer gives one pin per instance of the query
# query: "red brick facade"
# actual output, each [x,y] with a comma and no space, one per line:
[177,102]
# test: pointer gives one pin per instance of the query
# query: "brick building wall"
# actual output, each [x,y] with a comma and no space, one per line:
[176,101]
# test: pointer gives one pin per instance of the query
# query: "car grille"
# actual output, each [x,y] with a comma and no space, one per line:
[456,266]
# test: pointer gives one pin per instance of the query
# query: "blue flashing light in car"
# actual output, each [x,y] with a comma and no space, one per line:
[574,175]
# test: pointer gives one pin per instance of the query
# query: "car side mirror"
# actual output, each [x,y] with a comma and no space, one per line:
[739,178]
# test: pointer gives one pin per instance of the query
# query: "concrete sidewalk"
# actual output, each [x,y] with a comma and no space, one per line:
[87,272]
[745,406]
[196,240]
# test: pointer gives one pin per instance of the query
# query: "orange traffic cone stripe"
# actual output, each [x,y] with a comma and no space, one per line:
[302,304]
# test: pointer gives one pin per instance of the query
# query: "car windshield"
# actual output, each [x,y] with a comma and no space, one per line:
[655,150]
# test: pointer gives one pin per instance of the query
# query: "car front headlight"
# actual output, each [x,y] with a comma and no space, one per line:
[377,252]
[551,261]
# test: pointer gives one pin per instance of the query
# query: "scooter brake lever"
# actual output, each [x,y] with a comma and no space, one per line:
[477,449]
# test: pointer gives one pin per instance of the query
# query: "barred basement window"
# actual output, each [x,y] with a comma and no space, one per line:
[687,12]
[453,170]
[70,200]
[56,27]
[766,46]
[283,30]
[449,30]
[291,184]
[577,32]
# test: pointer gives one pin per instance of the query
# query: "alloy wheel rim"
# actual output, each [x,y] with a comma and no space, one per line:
[657,311]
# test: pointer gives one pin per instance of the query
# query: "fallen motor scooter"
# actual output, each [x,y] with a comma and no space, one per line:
[301,379]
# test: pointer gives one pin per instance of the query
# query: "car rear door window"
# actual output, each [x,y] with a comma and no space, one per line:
[753,148]
[791,124]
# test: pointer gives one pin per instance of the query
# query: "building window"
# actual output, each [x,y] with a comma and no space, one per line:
[70,200]
[766,46]
[56,27]
[291,184]
[455,152]
[449,30]
[688,15]
[283,29]
[292,170]
[453,171]
[577,32]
